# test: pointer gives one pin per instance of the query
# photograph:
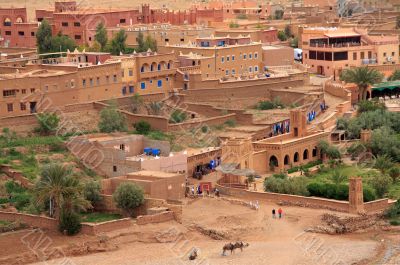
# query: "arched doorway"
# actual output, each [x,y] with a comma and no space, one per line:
[296,157]
[314,152]
[273,162]
[305,154]
[286,161]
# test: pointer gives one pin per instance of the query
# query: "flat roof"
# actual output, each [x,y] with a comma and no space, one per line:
[156,174]
[341,34]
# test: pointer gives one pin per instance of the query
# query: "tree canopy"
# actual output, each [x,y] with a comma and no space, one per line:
[363,77]
[111,120]
[101,36]
[47,43]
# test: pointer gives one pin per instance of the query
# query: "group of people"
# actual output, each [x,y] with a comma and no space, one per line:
[280,212]
[196,190]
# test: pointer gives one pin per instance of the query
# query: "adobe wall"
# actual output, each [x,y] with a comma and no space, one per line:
[30,219]
[341,206]
[104,227]
[195,124]
[312,202]
[155,218]
[260,162]
[107,205]
[16,176]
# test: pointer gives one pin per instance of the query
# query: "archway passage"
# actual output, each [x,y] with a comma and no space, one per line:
[305,154]
[286,160]
[296,157]
[273,161]
[314,152]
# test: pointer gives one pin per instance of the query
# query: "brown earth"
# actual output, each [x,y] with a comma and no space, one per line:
[208,224]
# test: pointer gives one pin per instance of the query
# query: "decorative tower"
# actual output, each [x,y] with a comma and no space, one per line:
[298,123]
[356,199]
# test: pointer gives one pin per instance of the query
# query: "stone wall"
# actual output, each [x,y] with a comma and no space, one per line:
[378,205]
[201,122]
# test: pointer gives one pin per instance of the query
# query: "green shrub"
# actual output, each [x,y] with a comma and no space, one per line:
[368,194]
[280,176]
[142,127]
[48,123]
[21,200]
[4,200]
[316,189]
[393,211]
[178,116]
[296,186]
[204,129]
[70,222]
[111,120]
[13,187]
[91,192]
[394,222]
[230,123]
[128,196]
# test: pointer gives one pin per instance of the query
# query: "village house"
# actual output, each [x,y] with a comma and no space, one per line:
[327,51]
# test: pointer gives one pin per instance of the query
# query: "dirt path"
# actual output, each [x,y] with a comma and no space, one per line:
[272,241]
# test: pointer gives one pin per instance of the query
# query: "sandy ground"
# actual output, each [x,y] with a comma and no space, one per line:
[272,241]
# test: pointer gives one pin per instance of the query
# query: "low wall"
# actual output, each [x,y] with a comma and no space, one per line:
[202,122]
[42,222]
[16,176]
[155,218]
[104,227]
[377,205]
[341,206]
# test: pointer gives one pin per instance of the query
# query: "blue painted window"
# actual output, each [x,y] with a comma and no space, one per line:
[143,85]
[159,83]
[131,89]
[159,67]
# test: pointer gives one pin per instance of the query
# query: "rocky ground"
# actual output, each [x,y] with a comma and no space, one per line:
[208,224]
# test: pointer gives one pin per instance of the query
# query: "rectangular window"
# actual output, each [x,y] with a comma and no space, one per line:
[233,71]
[328,56]
[124,90]
[64,24]
[226,72]
[32,34]
[21,33]
[23,106]
[8,33]
[84,82]
[23,91]
[384,54]
[77,24]
[369,55]
[250,69]
[313,55]
[354,56]
[250,55]
[244,56]
[131,89]
[159,83]
[255,68]
[115,168]
[130,72]
[340,56]
[122,20]
[78,37]
[115,79]
[9,93]
[91,81]
[233,57]
[227,58]
[362,56]
[32,90]
[10,107]
[255,55]
[222,59]
[98,81]
[108,79]
[143,85]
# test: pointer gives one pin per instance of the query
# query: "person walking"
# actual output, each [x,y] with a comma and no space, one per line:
[273,214]
[280,213]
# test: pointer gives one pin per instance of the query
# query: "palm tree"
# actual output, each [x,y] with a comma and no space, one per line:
[395,76]
[383,163]
[61,189]
[363,77]
[337,178]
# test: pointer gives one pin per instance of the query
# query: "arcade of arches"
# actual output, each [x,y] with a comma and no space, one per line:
[296,158]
